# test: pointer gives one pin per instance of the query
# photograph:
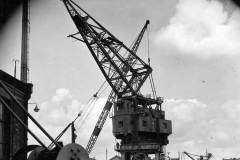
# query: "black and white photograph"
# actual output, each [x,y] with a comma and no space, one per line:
[119,80]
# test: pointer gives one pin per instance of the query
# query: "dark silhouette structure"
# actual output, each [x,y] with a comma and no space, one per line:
[138,121]
[7,8]
[236,2]
[13,136]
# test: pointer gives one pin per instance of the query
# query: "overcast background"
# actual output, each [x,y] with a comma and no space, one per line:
[195,54]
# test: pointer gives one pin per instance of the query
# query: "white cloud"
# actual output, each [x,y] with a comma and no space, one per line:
[61,109]
[232,109]
[183,109]
[61,93]
[55,114]
[196,126]
[203,28]
[212,127]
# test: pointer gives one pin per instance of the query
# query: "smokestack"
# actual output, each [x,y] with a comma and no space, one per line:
[25,38]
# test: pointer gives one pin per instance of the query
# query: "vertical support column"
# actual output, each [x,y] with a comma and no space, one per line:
[125,156]
[157,156]
[161,154]
[106,154]
[25,37]
[73,132]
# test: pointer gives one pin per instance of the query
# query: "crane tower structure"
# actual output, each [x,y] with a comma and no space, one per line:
[138,122]
[112,96]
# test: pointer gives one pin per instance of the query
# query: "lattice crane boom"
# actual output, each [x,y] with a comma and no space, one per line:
[111,55]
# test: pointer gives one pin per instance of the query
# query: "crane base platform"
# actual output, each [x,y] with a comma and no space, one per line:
[144,148]
[140,151]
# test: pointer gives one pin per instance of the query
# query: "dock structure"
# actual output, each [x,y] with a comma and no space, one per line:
[13,135]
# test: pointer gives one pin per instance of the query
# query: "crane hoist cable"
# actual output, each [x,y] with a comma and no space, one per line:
[100,88]
[64,131]
[103,90]
[82,122]
[87,115]
[149,63]
[153,86]
[89,109]
[90,106]
[85,110]
[82,110]
[93,98]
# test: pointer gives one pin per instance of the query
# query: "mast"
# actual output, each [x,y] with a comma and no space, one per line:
[25,41]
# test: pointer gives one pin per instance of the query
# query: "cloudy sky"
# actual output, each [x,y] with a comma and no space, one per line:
[195,57]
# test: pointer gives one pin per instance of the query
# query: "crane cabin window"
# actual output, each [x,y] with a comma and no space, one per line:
[119,106]
[120,124]
[144,123]
[165,125]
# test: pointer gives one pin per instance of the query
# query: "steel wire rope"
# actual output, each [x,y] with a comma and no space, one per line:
[87,115]
[80,124]
[103,90]
[97,93]
[88,110]
[89,107]
[85,112]
[149,63]
[82,110]
[91,100]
